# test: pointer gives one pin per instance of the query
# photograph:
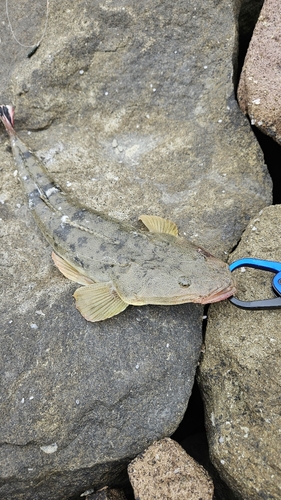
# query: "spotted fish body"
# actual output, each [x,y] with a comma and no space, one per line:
[116,264]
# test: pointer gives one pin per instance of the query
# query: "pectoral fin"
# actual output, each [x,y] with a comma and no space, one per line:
[157,224]
[98,301]
[70,271]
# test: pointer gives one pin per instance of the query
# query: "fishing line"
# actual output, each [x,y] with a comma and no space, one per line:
[34,47]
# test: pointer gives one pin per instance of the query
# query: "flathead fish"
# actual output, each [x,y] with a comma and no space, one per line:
[116,264]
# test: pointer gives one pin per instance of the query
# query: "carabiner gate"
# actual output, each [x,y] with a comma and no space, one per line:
[264,265]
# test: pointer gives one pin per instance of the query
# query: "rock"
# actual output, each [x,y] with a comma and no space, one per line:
[123,75]
[133,111]
[259,86]
[240,374]
[27,25]
[79,398]
[165,472]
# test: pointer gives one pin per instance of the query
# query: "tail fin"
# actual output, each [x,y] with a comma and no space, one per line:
[7,118]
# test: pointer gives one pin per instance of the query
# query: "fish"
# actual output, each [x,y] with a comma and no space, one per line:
[116,264]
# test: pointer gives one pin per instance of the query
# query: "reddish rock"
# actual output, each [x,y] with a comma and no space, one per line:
[260,84]
[166,472]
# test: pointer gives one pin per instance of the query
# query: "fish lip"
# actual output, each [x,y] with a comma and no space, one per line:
[218,296]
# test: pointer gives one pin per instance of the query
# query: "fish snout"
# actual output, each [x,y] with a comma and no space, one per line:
[220,294]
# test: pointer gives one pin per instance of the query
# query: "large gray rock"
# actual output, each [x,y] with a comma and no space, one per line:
[140,98]
[134,112]
[80,399]
[240,374]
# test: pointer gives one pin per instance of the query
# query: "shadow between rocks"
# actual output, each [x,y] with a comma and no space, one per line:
[272,157]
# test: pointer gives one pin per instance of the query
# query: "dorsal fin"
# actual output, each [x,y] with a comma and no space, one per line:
[157,224]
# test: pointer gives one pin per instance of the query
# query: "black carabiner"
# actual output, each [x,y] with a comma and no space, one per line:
[265,265]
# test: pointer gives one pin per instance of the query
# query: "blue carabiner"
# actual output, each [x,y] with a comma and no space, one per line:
[264,265]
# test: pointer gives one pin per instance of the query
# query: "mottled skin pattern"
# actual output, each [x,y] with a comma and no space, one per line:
[142,267]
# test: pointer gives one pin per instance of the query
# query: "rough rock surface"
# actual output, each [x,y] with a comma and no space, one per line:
[79,399]
[132,108]
[138,99]
[240,374]
[166,472]
[259,87]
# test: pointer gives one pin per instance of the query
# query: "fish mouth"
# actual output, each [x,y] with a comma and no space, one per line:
[215,296]
[219,295]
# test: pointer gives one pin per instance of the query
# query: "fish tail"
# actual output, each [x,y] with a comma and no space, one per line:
[34,177]
[29,167]
[7,118]
[46,200]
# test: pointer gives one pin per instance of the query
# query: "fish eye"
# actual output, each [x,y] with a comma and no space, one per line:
[184,281]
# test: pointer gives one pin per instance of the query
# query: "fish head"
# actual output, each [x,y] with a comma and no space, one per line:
[183,273]
[212,280]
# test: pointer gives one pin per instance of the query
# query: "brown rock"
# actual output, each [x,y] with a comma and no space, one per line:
[240,373]
[260,84]
[165,472]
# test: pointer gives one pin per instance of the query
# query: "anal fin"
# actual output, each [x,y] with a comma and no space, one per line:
[70,272]
[157,224]
[98,301]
